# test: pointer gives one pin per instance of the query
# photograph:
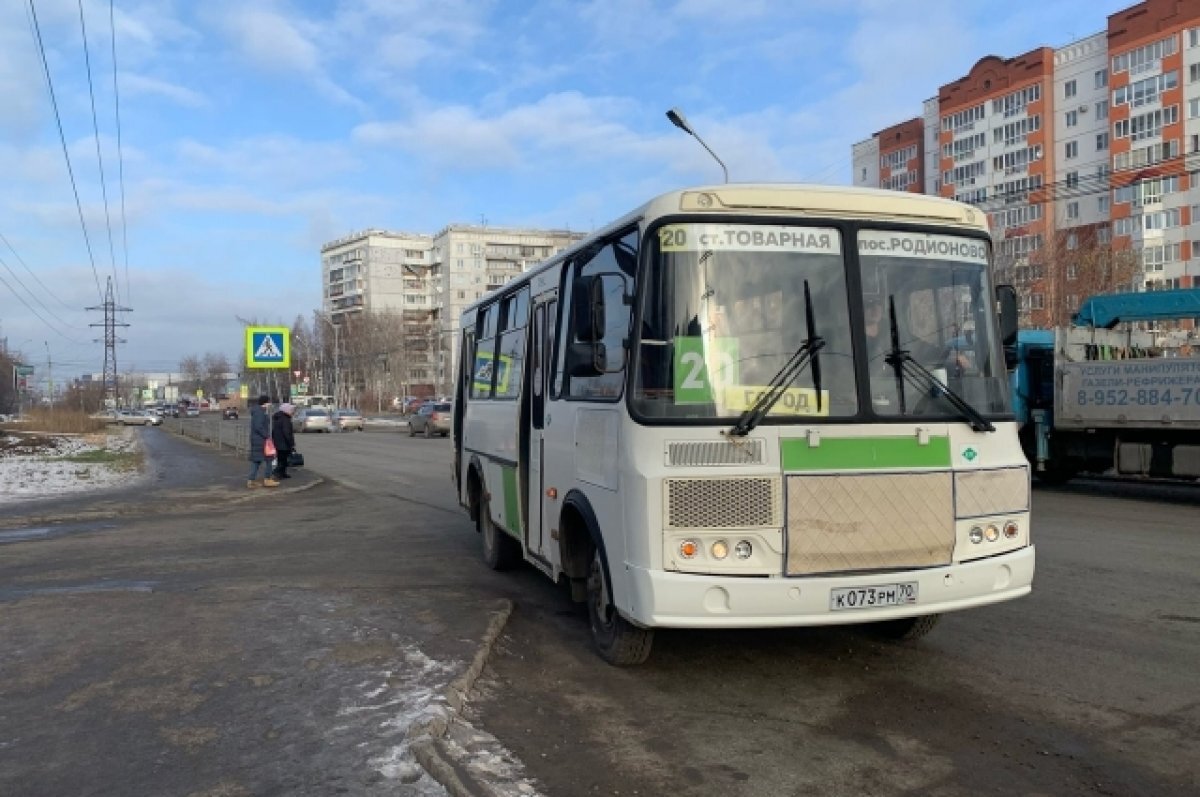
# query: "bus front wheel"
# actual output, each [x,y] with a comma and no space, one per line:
[620,642]
[500,551]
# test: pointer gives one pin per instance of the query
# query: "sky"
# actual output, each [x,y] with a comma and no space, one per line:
[253,131]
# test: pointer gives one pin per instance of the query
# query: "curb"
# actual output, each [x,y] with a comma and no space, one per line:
[426,734]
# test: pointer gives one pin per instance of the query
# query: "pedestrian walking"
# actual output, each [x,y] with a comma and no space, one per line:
[260,433]
[284,438]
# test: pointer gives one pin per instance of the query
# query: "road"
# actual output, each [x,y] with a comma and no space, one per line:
[262,626]
[1087,686]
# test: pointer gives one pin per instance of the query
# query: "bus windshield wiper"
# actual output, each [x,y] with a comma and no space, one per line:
[804,357]
[908,368]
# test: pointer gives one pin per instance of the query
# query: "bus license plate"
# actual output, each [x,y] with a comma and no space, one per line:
[873,597]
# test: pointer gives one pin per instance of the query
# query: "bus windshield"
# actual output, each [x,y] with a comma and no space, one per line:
[723,310]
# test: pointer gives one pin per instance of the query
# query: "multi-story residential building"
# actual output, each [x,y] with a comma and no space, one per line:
[471,260]
[1155,84]
[427,280]
[1082,156]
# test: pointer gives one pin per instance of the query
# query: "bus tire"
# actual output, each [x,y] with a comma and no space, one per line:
[500,551]
[908,628]
[618,641]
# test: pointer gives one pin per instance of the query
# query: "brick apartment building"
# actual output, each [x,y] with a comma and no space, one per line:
[1085,157]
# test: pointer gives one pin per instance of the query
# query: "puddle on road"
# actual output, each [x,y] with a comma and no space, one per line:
[78,589]
[51,532]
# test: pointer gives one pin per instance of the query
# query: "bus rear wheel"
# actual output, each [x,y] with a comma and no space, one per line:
[906,629]
[619,641]
[500,551]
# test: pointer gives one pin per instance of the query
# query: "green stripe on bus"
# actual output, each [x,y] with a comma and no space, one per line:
[864,453]
[512,506]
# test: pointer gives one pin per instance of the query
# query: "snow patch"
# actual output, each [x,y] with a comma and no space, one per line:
[39,466]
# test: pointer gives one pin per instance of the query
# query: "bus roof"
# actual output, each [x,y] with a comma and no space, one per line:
[795,200]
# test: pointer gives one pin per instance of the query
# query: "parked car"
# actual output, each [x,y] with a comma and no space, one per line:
[433,418]
[192,411]
[346,420]
[230,414]
[136,418]
[312,419]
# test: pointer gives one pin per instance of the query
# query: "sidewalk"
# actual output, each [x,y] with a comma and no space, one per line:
[303,639]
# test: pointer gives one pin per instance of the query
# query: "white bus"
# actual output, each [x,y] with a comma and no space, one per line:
[752,406]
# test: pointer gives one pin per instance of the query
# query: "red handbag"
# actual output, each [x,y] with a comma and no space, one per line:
[269,448]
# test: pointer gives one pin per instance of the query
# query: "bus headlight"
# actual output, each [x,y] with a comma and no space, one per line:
[720,549]
[1011,529]
[976,534]
[743,550]
[688,549]
[992,532]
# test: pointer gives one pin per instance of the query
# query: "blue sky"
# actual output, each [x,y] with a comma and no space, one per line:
[252,131]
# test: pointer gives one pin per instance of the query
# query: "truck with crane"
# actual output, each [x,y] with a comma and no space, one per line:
[1103,396]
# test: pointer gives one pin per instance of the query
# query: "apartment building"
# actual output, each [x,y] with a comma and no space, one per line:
[1085,158]
[428,280]
[471,260]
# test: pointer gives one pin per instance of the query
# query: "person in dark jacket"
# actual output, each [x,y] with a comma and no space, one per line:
[284,438]
[260,432]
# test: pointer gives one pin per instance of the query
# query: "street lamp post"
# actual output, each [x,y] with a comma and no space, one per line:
[49,374]
[337,371]
[679,120]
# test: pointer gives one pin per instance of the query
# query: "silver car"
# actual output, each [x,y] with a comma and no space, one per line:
[433,418]
[312,419]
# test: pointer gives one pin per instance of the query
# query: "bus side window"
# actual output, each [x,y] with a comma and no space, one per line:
[606,264]
[484,362]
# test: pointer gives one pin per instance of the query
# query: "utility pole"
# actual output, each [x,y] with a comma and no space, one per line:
[111,340]
[49,374]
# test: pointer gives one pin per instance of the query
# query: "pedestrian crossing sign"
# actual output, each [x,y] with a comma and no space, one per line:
[268,347]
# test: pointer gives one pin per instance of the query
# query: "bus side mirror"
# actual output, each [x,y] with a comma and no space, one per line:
[587,312]
[587,359]
[1006,296]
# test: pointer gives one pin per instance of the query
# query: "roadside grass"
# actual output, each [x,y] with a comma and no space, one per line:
[60,420]
[120,460]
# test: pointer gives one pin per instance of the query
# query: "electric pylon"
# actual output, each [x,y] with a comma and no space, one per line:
[111,340]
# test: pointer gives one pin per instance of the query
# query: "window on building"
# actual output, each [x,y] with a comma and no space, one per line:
[1072,269]
[1103,235]
[1072,212]
[1102,204]
[1072,179]
[1194,37]
[1101,77]
[1102,109]
[1069,89]
[1193,73]
[1072,149]
[1101,142]
[1036,301]
[1072,118]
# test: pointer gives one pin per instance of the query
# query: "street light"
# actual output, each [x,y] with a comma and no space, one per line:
[336,356]
[679,120]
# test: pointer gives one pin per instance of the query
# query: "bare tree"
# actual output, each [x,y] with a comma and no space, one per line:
[1081,266]
[215,366]
[191,373]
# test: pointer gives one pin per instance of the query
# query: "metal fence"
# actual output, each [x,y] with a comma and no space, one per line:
[233,435]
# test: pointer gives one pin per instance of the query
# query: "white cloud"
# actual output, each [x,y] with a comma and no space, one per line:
[134,84]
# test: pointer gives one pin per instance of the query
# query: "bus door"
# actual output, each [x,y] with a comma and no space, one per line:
[537,538]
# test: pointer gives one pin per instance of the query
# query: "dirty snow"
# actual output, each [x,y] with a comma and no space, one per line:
[36,466]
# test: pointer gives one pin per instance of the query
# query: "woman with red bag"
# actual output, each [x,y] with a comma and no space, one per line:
[284,438]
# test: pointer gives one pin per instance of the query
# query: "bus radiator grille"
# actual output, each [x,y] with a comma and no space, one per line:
[722,503]
[721,452]
[844,523]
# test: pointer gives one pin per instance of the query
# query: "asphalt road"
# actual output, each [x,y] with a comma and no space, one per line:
[1089,686]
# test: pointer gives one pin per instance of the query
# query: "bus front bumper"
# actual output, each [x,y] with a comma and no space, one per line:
[681,600]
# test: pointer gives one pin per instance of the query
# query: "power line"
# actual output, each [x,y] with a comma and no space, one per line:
[21,260]
[32,295]
[87,60]
[120,155]
[62,138]
[33,309]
